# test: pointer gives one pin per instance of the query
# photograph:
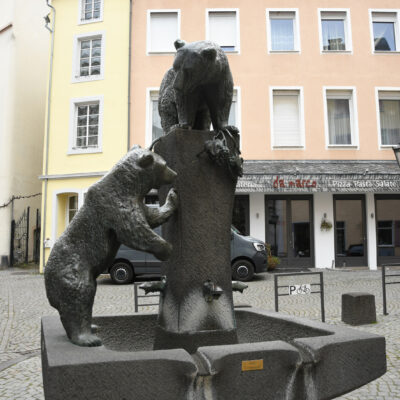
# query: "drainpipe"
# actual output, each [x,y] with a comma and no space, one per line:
[129,75]
[46,168]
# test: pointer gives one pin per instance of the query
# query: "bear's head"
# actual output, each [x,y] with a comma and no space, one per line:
[193,64]
[148,169]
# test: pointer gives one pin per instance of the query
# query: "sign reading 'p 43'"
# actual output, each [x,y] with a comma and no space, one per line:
[305,288]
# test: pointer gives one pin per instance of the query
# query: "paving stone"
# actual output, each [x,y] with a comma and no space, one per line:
[23,301]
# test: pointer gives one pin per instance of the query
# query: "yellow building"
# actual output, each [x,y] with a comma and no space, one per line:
[87,107]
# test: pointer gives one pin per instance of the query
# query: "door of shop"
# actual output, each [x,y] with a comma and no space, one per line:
[350,236]
[289,230]
[387,210]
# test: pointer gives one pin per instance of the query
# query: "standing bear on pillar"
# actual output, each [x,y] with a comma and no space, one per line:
[114,213]
[198,89]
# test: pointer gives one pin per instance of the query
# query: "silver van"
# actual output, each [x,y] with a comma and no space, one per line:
[248,257]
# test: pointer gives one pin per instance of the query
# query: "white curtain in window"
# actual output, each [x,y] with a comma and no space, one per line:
[157,130]
[339,121]
[222,28]
[333,34]
[282,33]
[390,121]
[286,119]
[163,31]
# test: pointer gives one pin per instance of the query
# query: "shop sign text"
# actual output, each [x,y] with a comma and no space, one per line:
[297,183]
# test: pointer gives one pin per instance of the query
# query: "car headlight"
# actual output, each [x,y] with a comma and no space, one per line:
[259,246]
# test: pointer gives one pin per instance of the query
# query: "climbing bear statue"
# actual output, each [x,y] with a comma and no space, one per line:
[198,89]
[113,213]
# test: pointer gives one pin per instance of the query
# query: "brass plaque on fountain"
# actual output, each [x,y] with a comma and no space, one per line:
[252,365]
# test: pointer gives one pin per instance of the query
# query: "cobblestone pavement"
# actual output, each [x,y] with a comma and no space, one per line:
[23,302]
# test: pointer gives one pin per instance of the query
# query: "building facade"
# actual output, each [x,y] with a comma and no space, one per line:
[23,48]
[317,101]
[87,107]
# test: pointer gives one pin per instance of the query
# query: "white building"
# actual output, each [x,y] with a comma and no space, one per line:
[24,45]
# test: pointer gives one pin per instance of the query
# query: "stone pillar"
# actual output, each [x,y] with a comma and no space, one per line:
[257,215]
[200,235]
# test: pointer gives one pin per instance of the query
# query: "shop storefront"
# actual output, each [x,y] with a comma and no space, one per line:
[323,213]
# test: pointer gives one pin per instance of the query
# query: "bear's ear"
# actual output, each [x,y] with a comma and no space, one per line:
[179,43]
[145,160]
[209,53]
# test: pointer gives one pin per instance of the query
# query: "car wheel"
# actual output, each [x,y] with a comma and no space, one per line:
[242,270]
[121,273]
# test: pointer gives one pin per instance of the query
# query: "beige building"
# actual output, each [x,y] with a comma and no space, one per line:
[23,77]
[317,100]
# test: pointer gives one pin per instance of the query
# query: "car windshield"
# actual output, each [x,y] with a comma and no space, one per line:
[236,230]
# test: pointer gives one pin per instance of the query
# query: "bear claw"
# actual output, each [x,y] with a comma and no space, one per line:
[87,340]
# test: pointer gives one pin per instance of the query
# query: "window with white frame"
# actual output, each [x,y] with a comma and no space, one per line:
[385,30]
[72,207]
[340,117]
[233,113]
[155,120]
[86,125]
[335,30]
[89,57]
[162,30]
[91,10]
[389,117]
[155,129]
[287,118]
[282,30]
[223,28]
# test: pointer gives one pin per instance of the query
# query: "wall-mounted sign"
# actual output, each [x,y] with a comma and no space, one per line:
[350,183]
[297,183]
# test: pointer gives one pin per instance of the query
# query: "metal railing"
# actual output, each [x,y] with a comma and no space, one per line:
[290,287]
[384,282]
[138,296]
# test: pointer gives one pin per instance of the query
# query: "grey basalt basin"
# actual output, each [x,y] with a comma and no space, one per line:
[277,357]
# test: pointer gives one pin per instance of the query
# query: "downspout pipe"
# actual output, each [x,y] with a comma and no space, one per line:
[46,167]
[129,76]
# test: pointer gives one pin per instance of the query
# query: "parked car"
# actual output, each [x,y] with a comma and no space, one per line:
[248,257]
[355,250]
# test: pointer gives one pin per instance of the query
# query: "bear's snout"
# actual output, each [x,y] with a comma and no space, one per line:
[169,175]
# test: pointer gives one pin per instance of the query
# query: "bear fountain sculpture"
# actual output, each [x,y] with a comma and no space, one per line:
[198,347]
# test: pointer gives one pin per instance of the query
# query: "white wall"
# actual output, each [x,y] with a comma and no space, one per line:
[324,241]
[7,68]
[23,78]
[257,216]
[371,230]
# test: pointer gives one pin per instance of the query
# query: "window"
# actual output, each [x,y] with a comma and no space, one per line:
[389,117]
[154,128]
[287,118]
[90,11]
[86,125]
[89,57]
[388,226]
[163,28]
[340,117]
[282,30]
[385,30]
[234,111]
[241,214]
[335,30]
[72,207]
[222,26]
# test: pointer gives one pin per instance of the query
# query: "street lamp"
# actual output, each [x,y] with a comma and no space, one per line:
[396,150]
